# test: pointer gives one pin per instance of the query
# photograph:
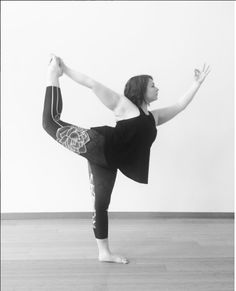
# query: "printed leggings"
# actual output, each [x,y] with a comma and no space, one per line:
[89,144]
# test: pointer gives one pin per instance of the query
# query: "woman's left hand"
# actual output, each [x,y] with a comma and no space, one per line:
[61,63]
[201,75]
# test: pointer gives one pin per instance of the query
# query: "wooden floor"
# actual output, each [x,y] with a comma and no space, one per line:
[165,254]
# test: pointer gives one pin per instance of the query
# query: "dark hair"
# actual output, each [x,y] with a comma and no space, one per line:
[135,89]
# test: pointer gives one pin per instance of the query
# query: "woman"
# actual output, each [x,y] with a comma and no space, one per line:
[125,147]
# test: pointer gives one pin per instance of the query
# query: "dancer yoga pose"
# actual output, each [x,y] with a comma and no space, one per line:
[125,147]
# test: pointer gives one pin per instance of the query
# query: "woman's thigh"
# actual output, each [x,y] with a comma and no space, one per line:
[102,181]
[85,142]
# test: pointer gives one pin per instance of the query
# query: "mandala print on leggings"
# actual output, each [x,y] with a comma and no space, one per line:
[73,137]
[92,188]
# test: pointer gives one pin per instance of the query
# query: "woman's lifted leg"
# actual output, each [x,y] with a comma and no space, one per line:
[85,142]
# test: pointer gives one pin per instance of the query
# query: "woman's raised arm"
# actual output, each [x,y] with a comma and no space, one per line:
[163,115]
[107,96]
[78,77]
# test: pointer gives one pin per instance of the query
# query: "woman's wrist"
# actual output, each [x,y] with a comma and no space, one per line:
[65,69]
[196,84]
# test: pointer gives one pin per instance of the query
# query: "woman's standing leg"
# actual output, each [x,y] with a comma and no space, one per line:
[102,181]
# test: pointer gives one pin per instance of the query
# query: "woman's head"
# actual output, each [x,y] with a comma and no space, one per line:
[141,89]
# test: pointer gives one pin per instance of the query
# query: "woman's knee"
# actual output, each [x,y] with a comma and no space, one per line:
[102,204]
[50,127]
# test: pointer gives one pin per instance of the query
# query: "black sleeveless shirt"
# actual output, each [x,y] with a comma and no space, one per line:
[127,145]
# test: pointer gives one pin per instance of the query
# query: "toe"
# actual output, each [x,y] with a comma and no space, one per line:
[125,260]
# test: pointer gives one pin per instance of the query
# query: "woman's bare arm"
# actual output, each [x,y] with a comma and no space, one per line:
[107,96]
[78,77]
[163,115]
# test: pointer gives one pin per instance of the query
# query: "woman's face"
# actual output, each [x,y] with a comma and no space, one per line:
[151,92]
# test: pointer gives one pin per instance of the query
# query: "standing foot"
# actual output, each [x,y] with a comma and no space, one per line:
[113,258]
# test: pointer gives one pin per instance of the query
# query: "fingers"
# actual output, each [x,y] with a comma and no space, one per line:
[52,57]
[206,68]
[196,72]
[201,75]
[55,60]
[203,67]
[60,61]
[208,72]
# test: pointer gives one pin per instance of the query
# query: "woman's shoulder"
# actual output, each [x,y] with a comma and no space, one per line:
[126,109]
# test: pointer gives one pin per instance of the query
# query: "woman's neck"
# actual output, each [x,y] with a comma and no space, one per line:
[144,108]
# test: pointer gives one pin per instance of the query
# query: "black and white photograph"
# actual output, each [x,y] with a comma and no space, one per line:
[117,145]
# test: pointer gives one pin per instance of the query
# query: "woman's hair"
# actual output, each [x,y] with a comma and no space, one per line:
[136,87]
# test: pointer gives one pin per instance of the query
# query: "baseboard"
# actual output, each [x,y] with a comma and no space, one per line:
[120,215]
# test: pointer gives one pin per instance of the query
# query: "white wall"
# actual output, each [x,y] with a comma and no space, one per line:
[191,166]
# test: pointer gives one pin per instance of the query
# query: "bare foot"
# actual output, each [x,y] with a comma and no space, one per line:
[54,66]
[113,258]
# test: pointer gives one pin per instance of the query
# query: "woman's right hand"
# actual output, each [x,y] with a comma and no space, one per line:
[201,75]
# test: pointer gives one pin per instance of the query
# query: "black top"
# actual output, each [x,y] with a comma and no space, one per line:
[127,145]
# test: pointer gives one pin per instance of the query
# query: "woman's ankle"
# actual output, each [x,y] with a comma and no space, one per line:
[103,246]
[52,80]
